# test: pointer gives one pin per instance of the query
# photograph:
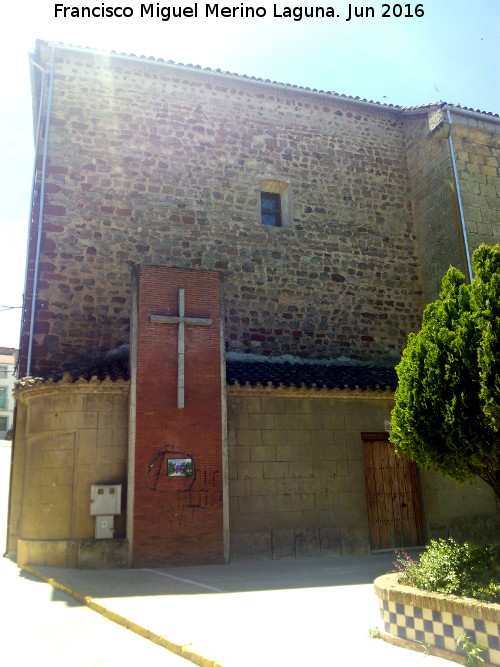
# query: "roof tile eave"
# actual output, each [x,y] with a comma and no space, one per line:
[245,77]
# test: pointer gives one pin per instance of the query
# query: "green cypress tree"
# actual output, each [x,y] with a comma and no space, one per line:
[447,413]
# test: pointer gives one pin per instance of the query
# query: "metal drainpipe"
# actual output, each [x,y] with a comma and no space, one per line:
[40,212]
[33,183]
[459,197]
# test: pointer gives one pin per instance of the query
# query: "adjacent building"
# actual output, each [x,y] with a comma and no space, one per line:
[8,358]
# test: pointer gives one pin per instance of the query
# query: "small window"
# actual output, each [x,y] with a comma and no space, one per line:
[270,207]
[3,397]
[3,371]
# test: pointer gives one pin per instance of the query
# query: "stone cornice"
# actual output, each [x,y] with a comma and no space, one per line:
[484,131]
[303,392]
[30,387]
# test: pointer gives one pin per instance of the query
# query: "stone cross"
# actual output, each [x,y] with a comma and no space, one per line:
[181,320]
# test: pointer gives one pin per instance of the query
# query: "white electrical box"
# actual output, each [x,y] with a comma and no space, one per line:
[104,527]
[105,499]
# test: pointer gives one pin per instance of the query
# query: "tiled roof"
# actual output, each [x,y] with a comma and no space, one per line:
[115,365]
[320,376]
[274,83]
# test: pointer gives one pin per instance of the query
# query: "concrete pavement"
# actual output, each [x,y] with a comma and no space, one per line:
[42,626]
[288,613]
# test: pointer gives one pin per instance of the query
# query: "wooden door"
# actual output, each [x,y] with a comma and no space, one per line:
[393,495]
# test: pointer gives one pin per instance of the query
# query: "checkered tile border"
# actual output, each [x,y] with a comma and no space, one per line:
[440,628]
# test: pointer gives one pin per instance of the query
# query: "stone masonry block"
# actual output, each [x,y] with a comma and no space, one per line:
[31,551]
[302,501]
[86,446]
[63,476]
[252,470]
[307,543]
[42,443]
[119,437]
[325,406]
[260,421]
[335,453]
[333,421]
[275,437]
[302,437]
[322,437]
[283,543]
[324,501]
[330,541]
[57,553]
[250,405]
[328,468]
[249,437]
[112,420]
[66,440]
[263,453]
[273,405]
[311,453]
[298,405]
[355,541]
[251,546]
[310,421]
[109,455]
[75,420]
[62,494]
[99,402]
[274,470]
[237,454]
[288,453]
[355,451]
[365,422]
[241,487]
[266,487]
[286,421]
[60,459]
[252,504]
[239,420]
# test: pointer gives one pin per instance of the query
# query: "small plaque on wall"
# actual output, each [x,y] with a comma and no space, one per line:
[179,467]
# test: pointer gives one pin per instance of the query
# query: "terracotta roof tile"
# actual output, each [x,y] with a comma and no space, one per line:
[115,365]
[309,375]
[246,77]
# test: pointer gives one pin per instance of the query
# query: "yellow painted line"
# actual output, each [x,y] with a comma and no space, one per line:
[183,650]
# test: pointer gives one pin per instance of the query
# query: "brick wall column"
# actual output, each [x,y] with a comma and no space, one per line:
[176,520]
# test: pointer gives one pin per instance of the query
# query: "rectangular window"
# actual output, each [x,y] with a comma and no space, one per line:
[3,371]
[270,207]
[3,424]
[3,398]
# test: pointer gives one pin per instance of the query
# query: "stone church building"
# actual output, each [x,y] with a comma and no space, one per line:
[222,272]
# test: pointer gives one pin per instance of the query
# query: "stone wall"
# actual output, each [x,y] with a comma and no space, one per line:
[465,512]
[477,154]
[296,478]
[434,191]
[434,203]
[296,475]
[74,435]
[162,165]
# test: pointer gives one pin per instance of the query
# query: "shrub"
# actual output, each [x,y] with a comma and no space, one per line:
[468,570]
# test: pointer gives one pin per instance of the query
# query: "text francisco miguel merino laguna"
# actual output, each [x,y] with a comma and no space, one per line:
[207,10]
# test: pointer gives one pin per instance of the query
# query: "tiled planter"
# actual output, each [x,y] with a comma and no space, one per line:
[420,619]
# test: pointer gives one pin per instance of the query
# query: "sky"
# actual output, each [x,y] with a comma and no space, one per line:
[443,50]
